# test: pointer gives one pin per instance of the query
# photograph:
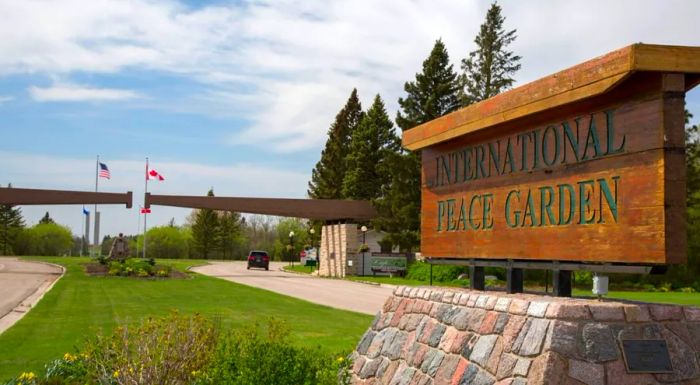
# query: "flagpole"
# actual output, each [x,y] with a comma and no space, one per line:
[138,229]
[145,215]
[97,166]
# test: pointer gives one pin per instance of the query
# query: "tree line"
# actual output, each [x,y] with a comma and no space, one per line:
[207,234]
[363,158]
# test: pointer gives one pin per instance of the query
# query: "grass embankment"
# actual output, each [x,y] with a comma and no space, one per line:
[78,306]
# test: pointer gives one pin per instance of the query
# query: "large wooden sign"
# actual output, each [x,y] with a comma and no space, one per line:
[585,165]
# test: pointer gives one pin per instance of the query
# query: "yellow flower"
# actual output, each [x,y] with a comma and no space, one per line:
[340,359]
[131,370]
[27,376]
[69,357]
[115,374]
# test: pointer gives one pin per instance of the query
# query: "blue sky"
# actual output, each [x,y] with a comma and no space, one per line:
[239,95]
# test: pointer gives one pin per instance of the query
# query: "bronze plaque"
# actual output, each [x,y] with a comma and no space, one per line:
[646,356]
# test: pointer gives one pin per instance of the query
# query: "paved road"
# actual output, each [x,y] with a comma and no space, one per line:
[336,293]
[22,283]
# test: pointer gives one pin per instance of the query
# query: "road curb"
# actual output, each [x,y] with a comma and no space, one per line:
[28,303]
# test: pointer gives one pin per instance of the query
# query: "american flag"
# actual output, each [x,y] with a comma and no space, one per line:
[104,171]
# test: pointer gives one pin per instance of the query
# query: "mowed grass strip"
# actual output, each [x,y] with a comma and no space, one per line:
[79,306]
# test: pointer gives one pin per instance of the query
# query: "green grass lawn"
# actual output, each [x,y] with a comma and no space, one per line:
[407,282]
[297,268]
[78,306]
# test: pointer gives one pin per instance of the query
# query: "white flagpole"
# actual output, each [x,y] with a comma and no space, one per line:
[97,165]
[138,228]
[145,215]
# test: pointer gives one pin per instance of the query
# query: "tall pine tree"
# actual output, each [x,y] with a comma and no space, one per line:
[372,143]
[11,224]
[488,70]
[206,235]
[231,229]
[434,93]
[327,177]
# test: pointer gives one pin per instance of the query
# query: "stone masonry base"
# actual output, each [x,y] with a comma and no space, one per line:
[450,336]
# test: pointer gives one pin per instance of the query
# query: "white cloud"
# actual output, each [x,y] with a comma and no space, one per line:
[287,66]
[79,93]
[5,99]
[26,170]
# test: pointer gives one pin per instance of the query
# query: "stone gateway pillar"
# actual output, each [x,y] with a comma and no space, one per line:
[339,244]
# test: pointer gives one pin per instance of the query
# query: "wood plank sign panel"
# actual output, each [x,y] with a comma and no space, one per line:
[598,179]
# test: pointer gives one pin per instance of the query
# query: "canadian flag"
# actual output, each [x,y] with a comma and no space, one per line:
[145,211]
[153,174]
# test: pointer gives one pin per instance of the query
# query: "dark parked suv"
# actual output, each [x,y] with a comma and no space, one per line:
[257,258]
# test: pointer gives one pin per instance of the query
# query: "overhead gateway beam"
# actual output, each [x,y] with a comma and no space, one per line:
[322,209]
[26,196]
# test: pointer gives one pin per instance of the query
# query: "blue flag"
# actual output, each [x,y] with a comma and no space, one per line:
[85,211]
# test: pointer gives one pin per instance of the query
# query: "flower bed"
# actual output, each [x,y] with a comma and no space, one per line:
[133,267]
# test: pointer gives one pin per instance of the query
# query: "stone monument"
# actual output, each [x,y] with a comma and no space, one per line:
[581,170]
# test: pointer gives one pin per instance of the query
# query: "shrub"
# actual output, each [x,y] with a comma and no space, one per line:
[137,267]
[249,357]
[159,351]
[441,273]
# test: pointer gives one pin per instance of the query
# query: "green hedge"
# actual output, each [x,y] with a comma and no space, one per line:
[420,271]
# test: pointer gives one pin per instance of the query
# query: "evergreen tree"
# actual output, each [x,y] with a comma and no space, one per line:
[11,224]
[327,177]
[487,71]
[46,219]
[206,231]
[231,227]
[434,93]
[372,142]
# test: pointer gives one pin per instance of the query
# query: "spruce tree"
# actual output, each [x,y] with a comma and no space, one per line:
[11,224]
[488,70]
[206,230]
[435,92]
[372,142]
[327,177]
[231,228]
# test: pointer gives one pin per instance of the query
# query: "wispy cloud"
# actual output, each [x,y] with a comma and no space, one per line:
[286,66]
[79,93]
[5,99]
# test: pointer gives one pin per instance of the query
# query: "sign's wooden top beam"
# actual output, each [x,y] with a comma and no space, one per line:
[322,209]
[588,79]
[26,196]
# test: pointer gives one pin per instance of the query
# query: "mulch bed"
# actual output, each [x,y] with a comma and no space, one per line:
[97,269]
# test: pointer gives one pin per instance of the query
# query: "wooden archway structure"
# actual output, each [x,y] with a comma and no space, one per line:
[26,196]
[319,209]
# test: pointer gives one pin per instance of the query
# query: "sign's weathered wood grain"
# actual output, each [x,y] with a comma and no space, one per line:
[584,165]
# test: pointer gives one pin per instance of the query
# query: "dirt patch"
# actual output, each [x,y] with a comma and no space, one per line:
[96,269]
